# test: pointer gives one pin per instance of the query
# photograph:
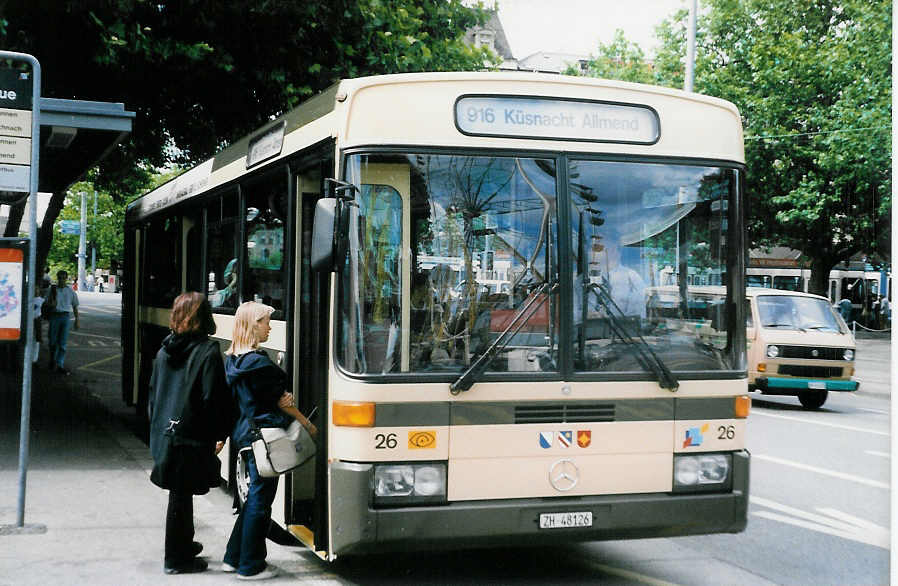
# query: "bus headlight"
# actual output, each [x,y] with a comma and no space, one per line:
[401,484]
[773,351]
[848,354]
[702,472]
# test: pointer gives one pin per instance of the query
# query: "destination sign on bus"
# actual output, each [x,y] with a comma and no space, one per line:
[556,119]
[266,145]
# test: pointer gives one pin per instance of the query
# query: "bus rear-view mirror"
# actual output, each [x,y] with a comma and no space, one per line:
[323,228]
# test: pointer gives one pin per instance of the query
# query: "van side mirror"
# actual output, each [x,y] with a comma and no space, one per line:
[323,231]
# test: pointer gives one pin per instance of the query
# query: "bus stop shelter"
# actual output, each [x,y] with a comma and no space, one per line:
[75,135]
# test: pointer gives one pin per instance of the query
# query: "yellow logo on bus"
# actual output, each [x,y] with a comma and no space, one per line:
[422,440]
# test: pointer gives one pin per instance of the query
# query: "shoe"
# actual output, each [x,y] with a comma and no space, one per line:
[227,568]
[197,547]
[268,572]
[194,566]
[62,371]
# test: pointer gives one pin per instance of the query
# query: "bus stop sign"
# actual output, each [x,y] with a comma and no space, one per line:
[16,102]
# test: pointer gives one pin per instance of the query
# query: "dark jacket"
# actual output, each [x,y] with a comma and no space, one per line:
[190,409]
[256,385]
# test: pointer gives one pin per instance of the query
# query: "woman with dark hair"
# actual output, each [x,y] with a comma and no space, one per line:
[191,415]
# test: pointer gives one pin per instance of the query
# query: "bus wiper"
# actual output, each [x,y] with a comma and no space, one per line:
[470,376]
[648,357]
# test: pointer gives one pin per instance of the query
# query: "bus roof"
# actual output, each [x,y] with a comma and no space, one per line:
[422,109]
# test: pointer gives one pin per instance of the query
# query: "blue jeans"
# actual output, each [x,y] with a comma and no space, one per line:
[58,337]
[246,548]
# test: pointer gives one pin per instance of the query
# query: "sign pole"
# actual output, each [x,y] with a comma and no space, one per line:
[82,244]
[25,427]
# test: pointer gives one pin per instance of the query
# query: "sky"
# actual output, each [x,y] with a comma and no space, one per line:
[577,26]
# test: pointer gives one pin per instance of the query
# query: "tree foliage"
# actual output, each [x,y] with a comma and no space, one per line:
[620,59]
[812,81]
[201,74]
[104,228]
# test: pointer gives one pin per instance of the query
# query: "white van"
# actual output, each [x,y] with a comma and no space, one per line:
[798,346]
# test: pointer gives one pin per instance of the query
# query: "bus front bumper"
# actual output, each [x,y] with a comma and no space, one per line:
[358,528]
[786,386]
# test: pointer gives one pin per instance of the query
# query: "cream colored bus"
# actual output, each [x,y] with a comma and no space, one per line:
[459,264]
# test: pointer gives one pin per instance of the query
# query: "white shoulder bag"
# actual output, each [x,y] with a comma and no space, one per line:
[277,450]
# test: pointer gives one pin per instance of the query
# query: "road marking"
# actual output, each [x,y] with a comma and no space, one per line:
[107,359]
[79,333]
[96,309]
[880,411]
[824,423]
[830,521]
[824,471]
[880,454]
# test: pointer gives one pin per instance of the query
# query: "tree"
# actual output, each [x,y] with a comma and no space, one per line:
[104,230]
[812,81]
[619,59]
[201,74]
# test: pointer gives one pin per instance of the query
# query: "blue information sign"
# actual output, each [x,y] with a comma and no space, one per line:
[69,227]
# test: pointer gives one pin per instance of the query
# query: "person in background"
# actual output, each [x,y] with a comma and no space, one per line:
[190,417]
[885,312]
[845,310]
[626,286]
[60,322]
[227,297]
[260,390]
[37,304]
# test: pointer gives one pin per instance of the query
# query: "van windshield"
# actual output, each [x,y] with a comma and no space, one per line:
[797,313]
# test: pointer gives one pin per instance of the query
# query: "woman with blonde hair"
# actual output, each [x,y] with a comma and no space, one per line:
[260,389]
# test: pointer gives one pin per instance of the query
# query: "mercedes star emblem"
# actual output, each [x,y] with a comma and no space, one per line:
[564,475]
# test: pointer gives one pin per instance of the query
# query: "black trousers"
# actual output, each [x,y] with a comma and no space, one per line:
[179,528]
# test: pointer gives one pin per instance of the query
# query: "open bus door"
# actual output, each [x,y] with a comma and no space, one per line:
[306,512]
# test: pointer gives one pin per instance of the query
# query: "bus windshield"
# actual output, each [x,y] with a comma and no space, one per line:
[449,253]
[636,227]
[443,250]
[797,313]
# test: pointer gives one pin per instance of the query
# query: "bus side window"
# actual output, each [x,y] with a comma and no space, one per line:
[222,268]
[162,262]
[193,226]
[266,216]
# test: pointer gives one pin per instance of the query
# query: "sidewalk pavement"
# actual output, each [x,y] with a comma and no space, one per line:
[91,514]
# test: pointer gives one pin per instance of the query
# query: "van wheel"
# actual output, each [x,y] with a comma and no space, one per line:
[812,399]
